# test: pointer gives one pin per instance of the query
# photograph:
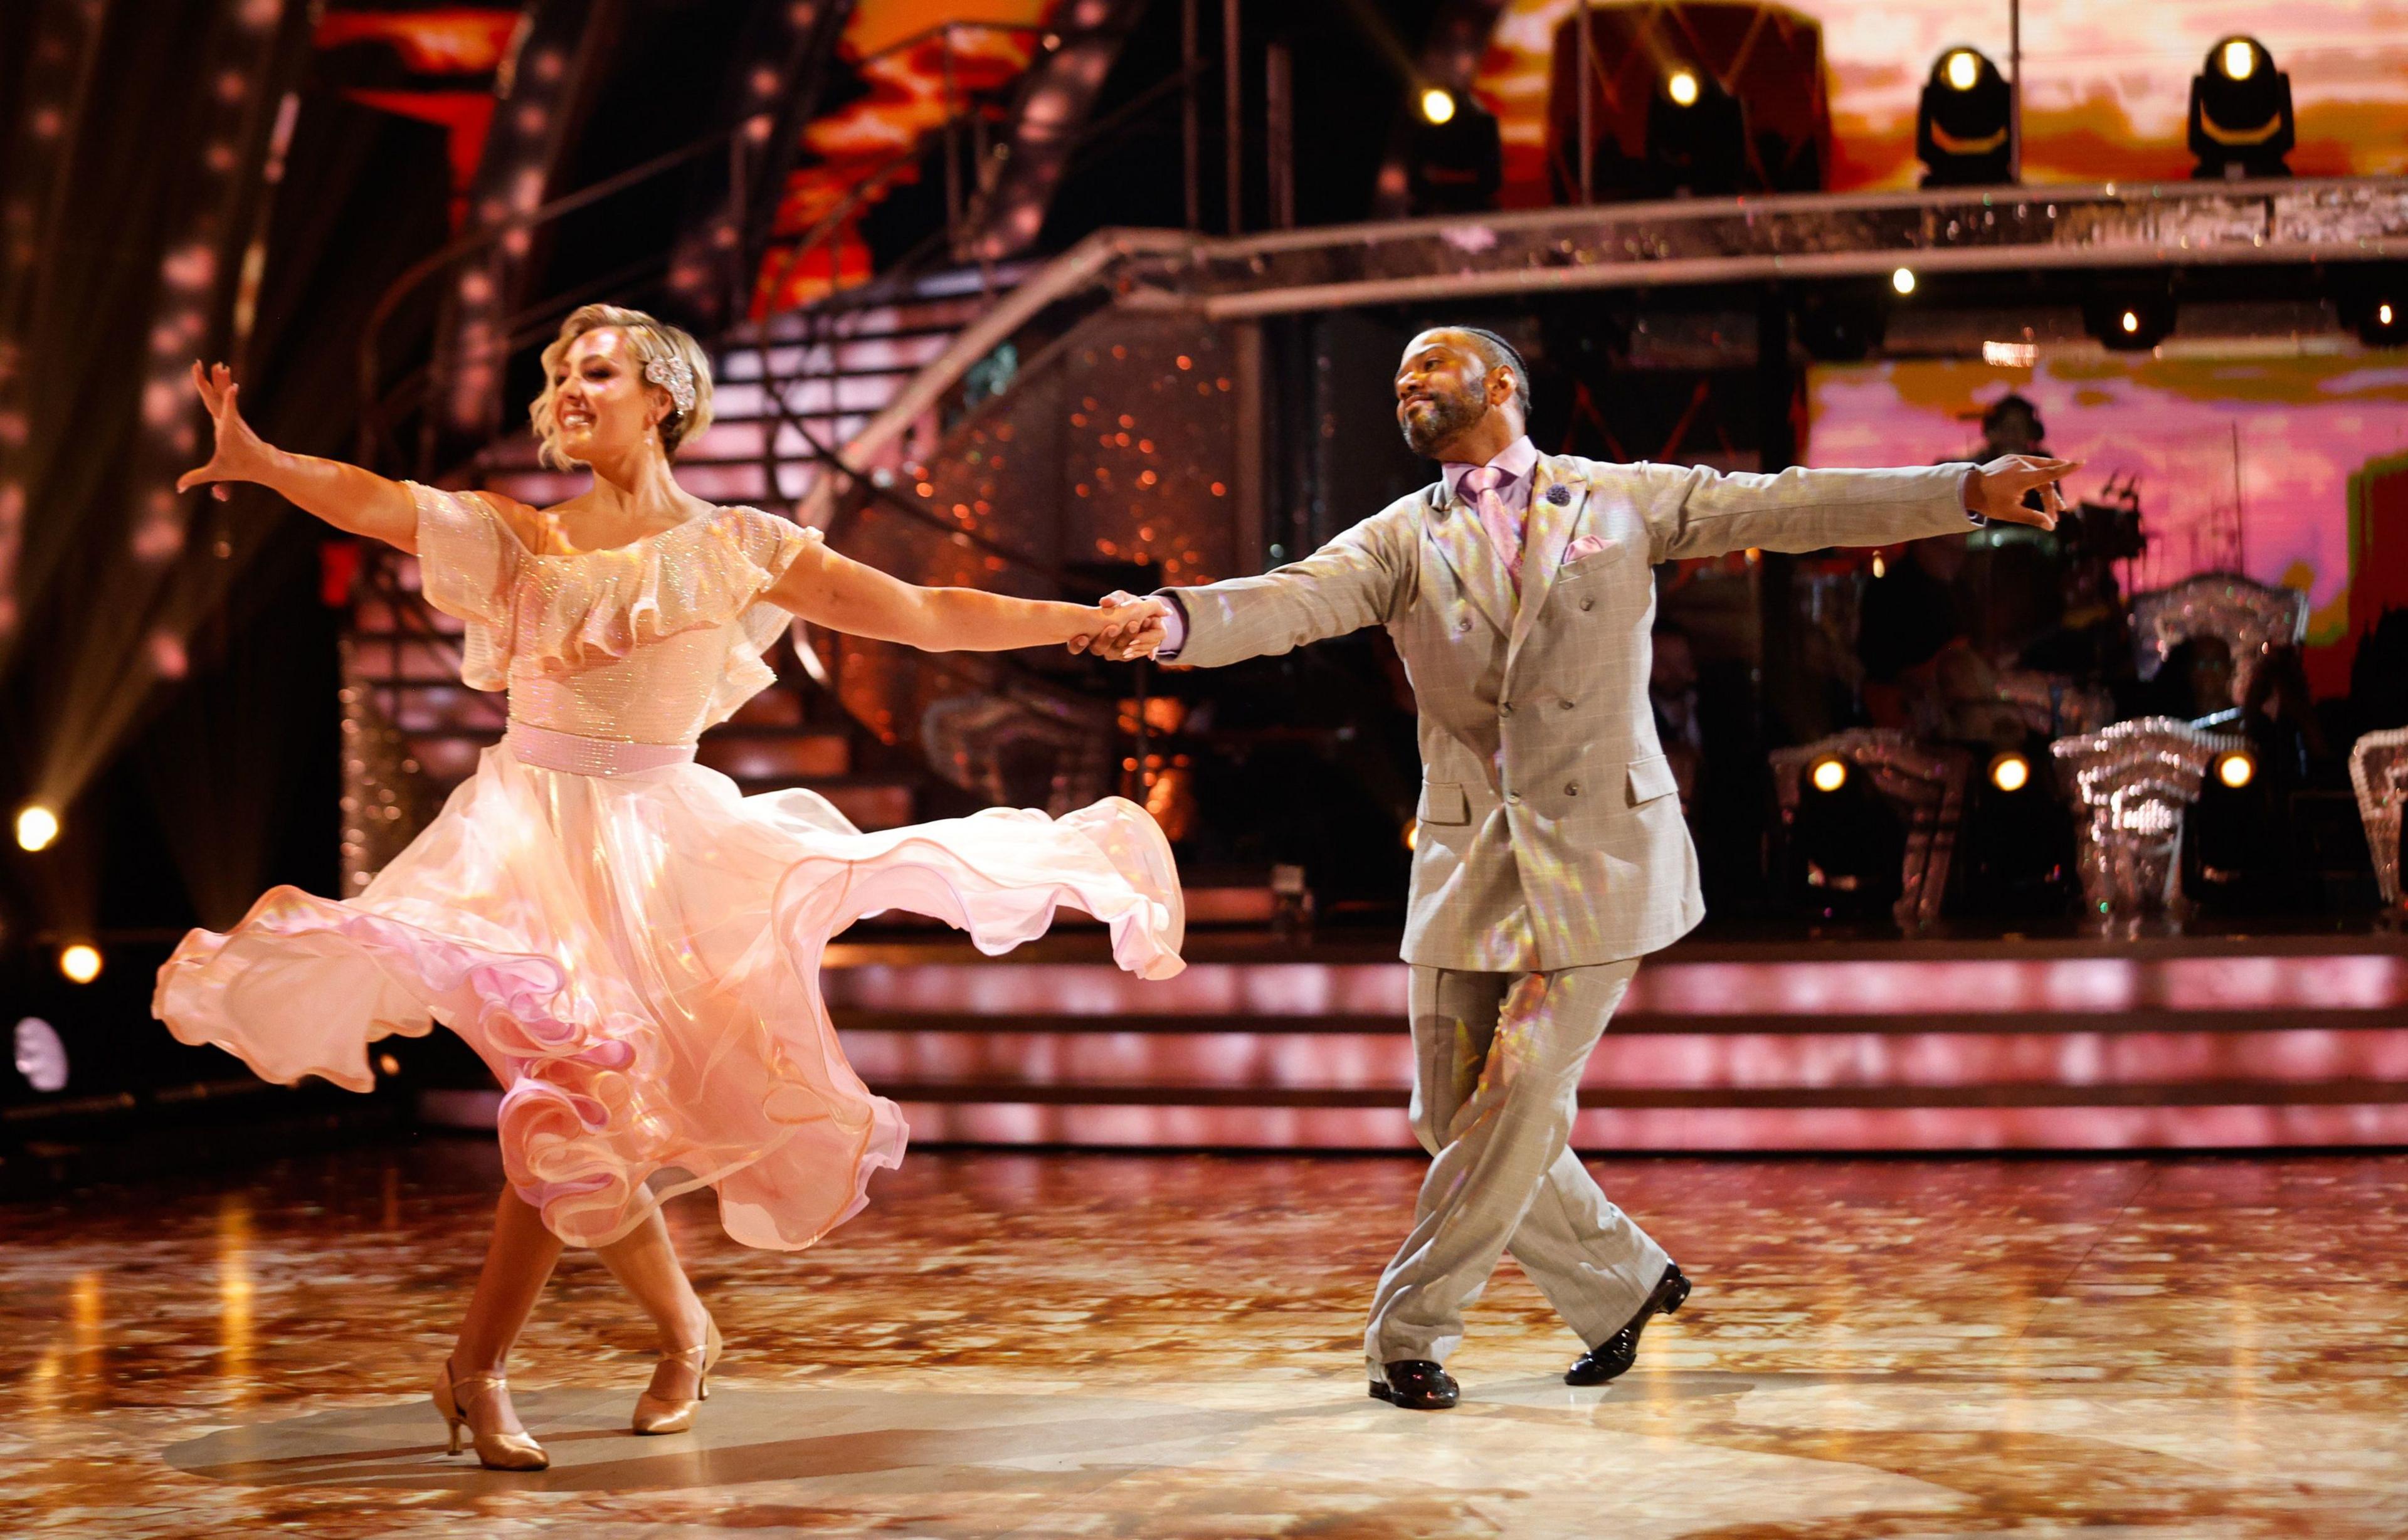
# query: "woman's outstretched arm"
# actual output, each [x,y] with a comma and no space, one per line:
[351,499]
[842,595]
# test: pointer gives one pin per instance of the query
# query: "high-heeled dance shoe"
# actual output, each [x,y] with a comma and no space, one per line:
[495,1451]
[657,1413]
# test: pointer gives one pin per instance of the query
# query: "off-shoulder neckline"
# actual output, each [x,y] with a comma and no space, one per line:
[719,512]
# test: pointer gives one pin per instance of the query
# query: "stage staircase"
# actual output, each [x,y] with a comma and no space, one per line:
[2003,1042]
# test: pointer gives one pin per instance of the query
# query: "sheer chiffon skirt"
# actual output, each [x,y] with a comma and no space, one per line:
[636,959]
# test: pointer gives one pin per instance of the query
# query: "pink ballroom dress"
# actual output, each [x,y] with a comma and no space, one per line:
[630,945]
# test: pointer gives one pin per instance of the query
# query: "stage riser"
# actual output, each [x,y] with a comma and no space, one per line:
[2063,1045]
[2049,1067]
[1604,1132]
[1973,987]
[2070,1043]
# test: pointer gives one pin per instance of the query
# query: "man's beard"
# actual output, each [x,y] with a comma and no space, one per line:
[1448,416]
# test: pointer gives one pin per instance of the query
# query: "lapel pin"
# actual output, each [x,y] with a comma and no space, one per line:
[1559,495]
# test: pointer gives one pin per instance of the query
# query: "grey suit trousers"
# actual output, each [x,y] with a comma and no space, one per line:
[1498,1063]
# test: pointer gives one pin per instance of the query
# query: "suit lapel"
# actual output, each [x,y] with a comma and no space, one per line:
[1454,527]
[1544,535]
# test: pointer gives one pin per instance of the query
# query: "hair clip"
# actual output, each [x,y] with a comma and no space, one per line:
[675,376]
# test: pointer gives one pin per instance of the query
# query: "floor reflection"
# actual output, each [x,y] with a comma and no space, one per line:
[1089,1346]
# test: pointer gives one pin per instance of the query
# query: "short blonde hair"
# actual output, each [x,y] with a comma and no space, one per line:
[647,339]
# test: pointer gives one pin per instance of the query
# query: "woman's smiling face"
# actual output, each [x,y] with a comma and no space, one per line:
[601,406]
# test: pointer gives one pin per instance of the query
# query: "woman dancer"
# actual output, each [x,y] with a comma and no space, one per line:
[632,947]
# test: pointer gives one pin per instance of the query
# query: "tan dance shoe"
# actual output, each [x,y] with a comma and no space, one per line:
[659,1414]
[495,1451]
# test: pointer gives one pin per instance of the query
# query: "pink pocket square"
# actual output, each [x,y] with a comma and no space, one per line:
[1587,545]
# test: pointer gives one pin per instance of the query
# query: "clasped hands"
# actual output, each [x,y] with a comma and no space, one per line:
[1135,628]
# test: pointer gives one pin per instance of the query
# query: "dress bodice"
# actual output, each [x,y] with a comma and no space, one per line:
[650,642]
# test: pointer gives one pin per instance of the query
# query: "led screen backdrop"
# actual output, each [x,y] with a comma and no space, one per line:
[2105,84]
[2269,465]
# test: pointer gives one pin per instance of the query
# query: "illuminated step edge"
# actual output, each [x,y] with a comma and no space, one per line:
[1611,1130]
[2360,981]
[1796,1067]
[1617,1131]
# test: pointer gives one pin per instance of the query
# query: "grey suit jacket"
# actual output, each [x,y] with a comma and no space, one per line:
[1550,835]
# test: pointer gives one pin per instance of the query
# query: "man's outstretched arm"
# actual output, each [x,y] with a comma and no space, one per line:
[1693,511]
[1357,580]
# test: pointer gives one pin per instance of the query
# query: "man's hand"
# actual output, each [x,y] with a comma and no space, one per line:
[1996,490]
[1136,630]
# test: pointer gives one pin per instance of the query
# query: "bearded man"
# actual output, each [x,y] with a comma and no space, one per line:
[1520,590]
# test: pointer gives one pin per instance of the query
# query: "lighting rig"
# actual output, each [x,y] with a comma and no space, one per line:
[2015,850]
[1847,845]
[2240,119]
[2131,319]
[1696,137]
[1457,157]
[1964,130]
[2372,301]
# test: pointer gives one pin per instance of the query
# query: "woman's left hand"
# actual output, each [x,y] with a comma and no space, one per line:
[240,454]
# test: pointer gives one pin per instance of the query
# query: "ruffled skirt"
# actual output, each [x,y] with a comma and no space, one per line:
[636,957]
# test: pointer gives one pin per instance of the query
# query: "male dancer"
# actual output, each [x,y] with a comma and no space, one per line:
[1552,856]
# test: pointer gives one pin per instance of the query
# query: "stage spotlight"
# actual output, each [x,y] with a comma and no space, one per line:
[2236,768]
[80,963]
[1412,834]
[2240,120]
[1455,158]
[1696,137]
[1902,280]
[1846,846]
[2131,322]
[1963,128]
[2014,843]
[2372,300]
[37,827]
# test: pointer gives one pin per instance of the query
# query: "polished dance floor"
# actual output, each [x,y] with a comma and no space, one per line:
[1036,1346]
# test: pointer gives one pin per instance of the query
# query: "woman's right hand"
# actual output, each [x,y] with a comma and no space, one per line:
[240,455]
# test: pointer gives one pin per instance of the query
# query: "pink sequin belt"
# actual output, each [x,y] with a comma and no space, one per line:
[547,749]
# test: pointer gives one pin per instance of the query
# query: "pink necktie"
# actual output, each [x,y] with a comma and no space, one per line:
[1504,529]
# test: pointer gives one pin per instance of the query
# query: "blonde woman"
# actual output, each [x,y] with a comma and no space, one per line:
[631,945]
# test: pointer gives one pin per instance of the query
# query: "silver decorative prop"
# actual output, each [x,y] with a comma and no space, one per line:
[1926,783]
[2378,768]
[2055,704]
[993,745]
[2131,785]
[386,799]
[2249,615]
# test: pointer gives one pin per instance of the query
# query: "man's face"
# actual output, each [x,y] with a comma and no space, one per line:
[1441,391]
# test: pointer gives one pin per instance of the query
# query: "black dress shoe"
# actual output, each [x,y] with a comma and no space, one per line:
[1611,1359]
[1416,1384]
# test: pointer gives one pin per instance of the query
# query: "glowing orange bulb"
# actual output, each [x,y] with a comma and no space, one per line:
[37,827]
[80,963]
[1831,775]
